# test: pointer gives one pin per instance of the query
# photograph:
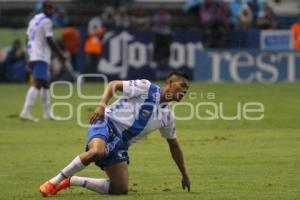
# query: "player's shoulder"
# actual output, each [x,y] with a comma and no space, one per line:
[140,83]
[47,21]
[33,19]
[41,18]
[144,81]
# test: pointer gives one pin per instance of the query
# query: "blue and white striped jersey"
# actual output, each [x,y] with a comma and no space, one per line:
[138,112]
[39,28]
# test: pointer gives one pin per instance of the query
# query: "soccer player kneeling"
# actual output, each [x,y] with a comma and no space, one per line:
[141,109]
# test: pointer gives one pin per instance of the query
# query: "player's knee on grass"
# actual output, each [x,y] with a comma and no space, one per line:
[118,189]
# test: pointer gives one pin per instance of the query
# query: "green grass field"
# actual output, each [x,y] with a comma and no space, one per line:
[243,160]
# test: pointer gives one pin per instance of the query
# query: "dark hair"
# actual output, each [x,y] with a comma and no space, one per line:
[179,73]
[46,4]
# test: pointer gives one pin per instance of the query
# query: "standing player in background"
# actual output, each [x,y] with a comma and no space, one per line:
[39,44]
[143,108]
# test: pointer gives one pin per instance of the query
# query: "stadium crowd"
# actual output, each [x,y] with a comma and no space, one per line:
[217,20]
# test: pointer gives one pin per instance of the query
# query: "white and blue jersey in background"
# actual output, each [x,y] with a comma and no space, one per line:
[39,51]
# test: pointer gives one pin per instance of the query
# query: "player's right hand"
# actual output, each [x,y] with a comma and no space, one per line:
[186,183]
[98,114]
[29,67]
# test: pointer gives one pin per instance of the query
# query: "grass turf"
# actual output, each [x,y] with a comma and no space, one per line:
[238,159]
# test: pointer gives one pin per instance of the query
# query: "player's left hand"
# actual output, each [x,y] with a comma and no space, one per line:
[185,182]
[98,114]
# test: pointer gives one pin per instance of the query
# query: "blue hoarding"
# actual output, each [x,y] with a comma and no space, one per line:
[247,66]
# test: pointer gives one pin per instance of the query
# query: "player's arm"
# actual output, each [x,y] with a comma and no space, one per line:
[48,30]
[179,160]
[55,48]
[28,64]
[108,93]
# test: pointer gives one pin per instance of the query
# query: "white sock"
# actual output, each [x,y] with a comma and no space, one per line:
[75,166]
[95,184]
[45,97]
[30,99]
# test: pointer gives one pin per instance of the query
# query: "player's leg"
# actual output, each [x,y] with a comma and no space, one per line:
[45,98]
[30,99]
[96,150]
[116,184]
[99,185]
[114,164]
[40,73]
[118,176]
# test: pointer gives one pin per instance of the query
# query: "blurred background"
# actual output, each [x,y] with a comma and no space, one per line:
[211,40]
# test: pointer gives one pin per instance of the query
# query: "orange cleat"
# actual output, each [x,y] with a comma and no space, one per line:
[47,189]
[62,185]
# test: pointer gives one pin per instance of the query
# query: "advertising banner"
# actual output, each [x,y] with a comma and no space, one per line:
[276,40]
[247,66]
[129,54]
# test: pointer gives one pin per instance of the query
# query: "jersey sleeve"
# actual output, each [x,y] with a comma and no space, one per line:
[169,131]
[135,88]
[47,25]
[28,28]
[27,32]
